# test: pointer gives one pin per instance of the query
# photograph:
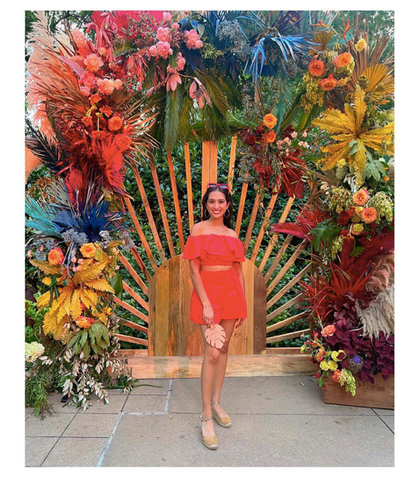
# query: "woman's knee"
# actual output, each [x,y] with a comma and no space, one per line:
[212,354]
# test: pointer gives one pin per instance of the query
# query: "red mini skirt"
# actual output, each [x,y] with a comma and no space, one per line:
[225,292]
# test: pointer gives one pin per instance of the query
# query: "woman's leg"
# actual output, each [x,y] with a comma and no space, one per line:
[228,326]
[210,360]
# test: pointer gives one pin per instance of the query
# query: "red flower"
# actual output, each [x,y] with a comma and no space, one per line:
[317,68]
[344,218]
[115,124]
[95,98]
[123,142]
[87,121]
[328,83]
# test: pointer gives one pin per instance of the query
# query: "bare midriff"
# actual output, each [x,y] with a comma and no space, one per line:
[215,268]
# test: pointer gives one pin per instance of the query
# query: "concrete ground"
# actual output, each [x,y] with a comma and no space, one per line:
[276,422]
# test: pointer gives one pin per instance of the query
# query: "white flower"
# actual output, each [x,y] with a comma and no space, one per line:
[33,351]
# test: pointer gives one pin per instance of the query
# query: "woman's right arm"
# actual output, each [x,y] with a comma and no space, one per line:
[200,289]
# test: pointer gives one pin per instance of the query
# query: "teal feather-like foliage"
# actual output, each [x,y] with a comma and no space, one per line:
[40,217]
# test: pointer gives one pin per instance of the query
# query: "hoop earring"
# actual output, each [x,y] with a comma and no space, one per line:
[208,214]
[226,216]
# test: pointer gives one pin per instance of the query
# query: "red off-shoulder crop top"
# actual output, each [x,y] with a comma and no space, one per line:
[214,249]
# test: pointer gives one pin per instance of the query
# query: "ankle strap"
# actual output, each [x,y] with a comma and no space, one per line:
[202,419]
[214,402]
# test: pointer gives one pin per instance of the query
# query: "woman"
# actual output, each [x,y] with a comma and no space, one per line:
[215,251]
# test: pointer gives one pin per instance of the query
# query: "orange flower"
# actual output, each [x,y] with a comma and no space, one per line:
[270,121]
[87,121]
[328,331]
[336,375]
[93,62]
[369,215]
[56,256]
[342,60]
[271,136]
[317,68]
[98,134]
[88,250]
[328,83]
[123,142]
[115,124]
[84,322]
[106,86]
[385,179]
[106,110]
[360,197]
[95,98]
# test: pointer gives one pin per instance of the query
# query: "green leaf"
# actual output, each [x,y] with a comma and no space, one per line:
[325,232]
[86,349]
[73,340]
[83,337]
[357,250]
[117,284]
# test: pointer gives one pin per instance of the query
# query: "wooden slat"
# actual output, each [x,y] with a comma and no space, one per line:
[262,228]
[146,367]
[131,309]
[134,325]
[148,212]
[137,297]
[189,187]
[134,274]
[284,307]
[209,164]
[278,257]
[288,265]
[286,322]
[140,232]
[139,261]
[287,287]
[162,209]
[282,219]
[232,163]
[241,205]
[280,351]
[176,201]
[287,336]
[252,220]
[129,339]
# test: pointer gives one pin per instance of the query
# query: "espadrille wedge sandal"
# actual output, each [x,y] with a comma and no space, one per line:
[209,442]
[222,421]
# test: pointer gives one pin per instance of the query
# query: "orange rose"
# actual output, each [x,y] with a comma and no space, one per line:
[317,68]
[123,142]
[270,121]
[88,250]
[328,331]
[369,215]
[56,256]
[93,62]
[342,60]
[361,197]
[271,136]
[106,86]
[84,322]
[115,124]
[328,83]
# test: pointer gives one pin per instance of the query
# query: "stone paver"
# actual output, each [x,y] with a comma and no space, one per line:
[97,425]
[155,386]
[75,452]
[277,421]
[37,449]
[298,395]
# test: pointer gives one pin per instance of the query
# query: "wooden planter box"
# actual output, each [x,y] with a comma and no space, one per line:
[379,395]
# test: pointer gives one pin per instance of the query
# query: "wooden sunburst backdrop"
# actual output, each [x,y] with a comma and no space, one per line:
[157,298]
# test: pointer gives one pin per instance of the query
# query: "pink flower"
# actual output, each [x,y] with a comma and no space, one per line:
[118,84]
[294,135]
[300,143]
[164,49]
[198,44]
[88,79]
[175,26]
[153,51]
[85,91]
[93,62]
[102,51]
[304,134]
[106,86]
[167,16]
[181,62]
[163,34]
[173,80]
[191,38]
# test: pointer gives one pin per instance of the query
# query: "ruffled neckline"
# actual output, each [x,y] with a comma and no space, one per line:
[214,234]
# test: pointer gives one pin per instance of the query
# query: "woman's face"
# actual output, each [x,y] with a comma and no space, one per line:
[216,204]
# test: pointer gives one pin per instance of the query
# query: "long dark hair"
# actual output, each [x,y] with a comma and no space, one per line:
[226,220]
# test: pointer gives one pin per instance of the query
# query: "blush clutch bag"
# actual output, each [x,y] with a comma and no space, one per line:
[215,335]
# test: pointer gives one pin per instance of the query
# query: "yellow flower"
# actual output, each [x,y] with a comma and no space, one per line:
[335,354]
[343,81]
[88,250]
[357,228]
[332,365]
[47,281]
[360,45]
[341,162]
[324,365]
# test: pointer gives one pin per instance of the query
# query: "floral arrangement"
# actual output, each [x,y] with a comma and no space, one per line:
[277,164]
